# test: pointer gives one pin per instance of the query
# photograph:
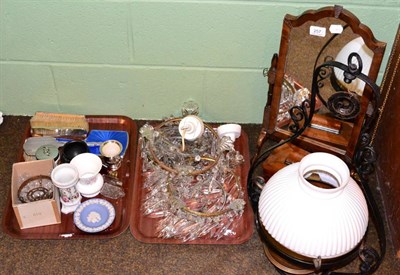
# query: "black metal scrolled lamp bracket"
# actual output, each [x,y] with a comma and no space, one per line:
[362,163]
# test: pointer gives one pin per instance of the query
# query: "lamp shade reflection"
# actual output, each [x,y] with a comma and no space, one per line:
[358,46]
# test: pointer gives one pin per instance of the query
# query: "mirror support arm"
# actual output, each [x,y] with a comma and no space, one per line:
[270,73]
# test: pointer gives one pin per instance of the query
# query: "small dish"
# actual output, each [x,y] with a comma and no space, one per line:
[36,188]
[94,215]
[97,137]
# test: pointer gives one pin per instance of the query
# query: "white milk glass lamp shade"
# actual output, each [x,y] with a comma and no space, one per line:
[309,219]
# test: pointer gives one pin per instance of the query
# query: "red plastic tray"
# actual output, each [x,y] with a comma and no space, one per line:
[143,228]
[123,206]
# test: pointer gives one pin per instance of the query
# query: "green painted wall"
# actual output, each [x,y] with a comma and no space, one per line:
[144,59]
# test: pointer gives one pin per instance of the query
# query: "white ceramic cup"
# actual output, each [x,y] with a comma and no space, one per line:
[88,165]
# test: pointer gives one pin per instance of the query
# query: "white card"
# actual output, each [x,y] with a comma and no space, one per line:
[318,31]
[336,29]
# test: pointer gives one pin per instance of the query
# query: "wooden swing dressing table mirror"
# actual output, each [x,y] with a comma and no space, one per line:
[341,109]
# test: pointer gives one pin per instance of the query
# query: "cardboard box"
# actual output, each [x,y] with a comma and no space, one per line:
[38,213]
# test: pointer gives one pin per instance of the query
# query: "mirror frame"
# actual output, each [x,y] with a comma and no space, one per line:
[277,71]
